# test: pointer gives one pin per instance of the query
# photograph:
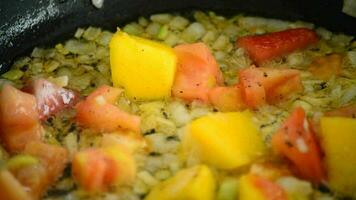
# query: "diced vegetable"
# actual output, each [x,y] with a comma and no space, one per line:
[19,119]
[11,189]
[20,161]
[228,190]
[51,98]
[272,45]
[34,178]
[327,66]
[296,189]
[13,75]
[261,85]
[97,169]
[144,68]
[197,72]
[269,170]
[259,188]
[296,141]
[53,158]
[338,140]
[98,112]
[39,167]
[195,183]
[226,98]
[132,141]
[224,140]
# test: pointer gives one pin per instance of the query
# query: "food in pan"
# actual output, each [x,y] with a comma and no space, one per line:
[173,107]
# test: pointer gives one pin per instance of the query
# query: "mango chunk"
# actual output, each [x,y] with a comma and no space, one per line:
[224,140]
[338,140]
[145,68]
[195,183]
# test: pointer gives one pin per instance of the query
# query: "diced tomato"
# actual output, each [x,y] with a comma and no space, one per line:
[327,66]
[296,141]
[19,119]
[98,112]
[226,98]
[97,169]
[252,90]
[272,45]
[197,72]
[18,109]
[11,189]
[53,158]
[33,178]
[89,169]
[347,111]
[15,139]
[38,176]
[51,98]
[294,84]
[261,85]
[270,190]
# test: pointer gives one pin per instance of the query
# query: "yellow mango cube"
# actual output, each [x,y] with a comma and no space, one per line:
[145,68]
[195,183]
[338,140]
[224,140]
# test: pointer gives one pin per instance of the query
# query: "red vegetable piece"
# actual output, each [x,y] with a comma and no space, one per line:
[197,72]
[270,190]
[19,119]
[99,113]
[51,98]
[226,98]
[296,141]
[262,84]
[265,47]
[37,178]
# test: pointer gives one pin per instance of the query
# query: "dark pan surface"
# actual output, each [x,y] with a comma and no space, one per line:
[28,23]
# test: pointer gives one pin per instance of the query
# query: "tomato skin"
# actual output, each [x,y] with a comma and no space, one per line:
[98,112]
[261,85]
[226,98]
[261,48]
[18,118]
[197,72]
[296,141]
[51,98]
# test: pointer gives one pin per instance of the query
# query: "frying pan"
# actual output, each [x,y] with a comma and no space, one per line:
[28,23]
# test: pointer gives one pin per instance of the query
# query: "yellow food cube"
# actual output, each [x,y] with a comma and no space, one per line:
[195,183]
[247,189]
[224,140]
[145,68]
[338,140]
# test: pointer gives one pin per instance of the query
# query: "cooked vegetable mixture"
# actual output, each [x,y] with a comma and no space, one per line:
[172,107]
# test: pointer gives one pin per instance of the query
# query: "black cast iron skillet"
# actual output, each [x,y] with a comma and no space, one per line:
[28,23]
